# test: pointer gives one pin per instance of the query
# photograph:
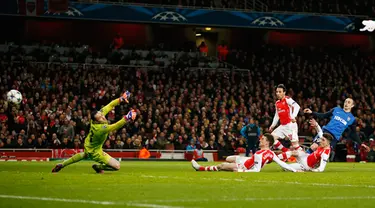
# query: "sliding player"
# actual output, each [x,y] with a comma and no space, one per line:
[316,161]
[246,164]
[99,129]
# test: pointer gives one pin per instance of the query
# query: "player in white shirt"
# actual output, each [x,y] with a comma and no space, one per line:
[248,164]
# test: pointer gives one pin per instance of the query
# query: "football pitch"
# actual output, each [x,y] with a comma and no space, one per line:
[176,184]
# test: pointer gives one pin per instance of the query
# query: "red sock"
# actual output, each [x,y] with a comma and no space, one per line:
[282,156]
[279,146]
[208,168]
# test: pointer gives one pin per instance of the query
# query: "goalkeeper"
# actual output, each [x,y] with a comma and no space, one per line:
[99,129]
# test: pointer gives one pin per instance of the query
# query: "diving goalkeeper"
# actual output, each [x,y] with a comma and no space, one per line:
[99,129]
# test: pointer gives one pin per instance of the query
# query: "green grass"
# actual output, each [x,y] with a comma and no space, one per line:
[176,184]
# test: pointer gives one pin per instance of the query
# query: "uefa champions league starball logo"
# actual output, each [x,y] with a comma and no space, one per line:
[350,27]
[267,21]
[71,12]
[169,16]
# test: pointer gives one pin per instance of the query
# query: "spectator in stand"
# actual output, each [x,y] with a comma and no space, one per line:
[40,144]
[362,136]
[55,143]
[371,154]
[8,143]
[191,147]
[65,144]
[3,116]
[151,145]
[119,144]
[108,145]
[222,50]
[66,130]
[20,143]
[29,143]
[203,49]
[137,143]
[77,144]
[128,144]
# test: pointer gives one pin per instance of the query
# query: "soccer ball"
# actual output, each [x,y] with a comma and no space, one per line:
[14,96]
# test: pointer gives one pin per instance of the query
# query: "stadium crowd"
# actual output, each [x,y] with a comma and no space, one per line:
[366,7]
[181,107]
[78,53]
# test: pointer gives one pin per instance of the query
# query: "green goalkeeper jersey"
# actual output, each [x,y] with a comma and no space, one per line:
[99,131]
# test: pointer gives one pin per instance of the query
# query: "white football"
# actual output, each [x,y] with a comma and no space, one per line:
[14,96]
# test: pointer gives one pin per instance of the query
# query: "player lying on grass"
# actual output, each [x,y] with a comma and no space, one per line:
[245,164]
[317,160]
[341,119]
[99,129]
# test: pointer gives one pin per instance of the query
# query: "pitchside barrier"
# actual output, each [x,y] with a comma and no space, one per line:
[120,154]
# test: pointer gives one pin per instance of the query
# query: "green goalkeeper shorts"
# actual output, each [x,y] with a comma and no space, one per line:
[99,156]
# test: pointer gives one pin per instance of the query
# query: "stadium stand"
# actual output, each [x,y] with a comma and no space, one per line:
[178,105]
[84,54]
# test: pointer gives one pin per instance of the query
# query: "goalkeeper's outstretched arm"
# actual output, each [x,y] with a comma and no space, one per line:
[115,102]
[115,126]
[110,106]
[128,117]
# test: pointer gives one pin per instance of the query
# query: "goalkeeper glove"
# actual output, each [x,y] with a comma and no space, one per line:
[125,97]
[131,115]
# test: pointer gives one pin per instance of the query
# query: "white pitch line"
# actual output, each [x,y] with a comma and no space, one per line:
[264,199]
[86,201]
[59,200]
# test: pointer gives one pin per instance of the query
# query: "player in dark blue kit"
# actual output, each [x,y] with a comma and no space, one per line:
[341,119]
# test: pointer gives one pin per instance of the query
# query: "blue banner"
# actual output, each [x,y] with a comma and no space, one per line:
[204,17]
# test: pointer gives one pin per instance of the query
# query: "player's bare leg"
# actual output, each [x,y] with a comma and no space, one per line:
[231,159]
[227,167]
[220,167]
[111,165]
